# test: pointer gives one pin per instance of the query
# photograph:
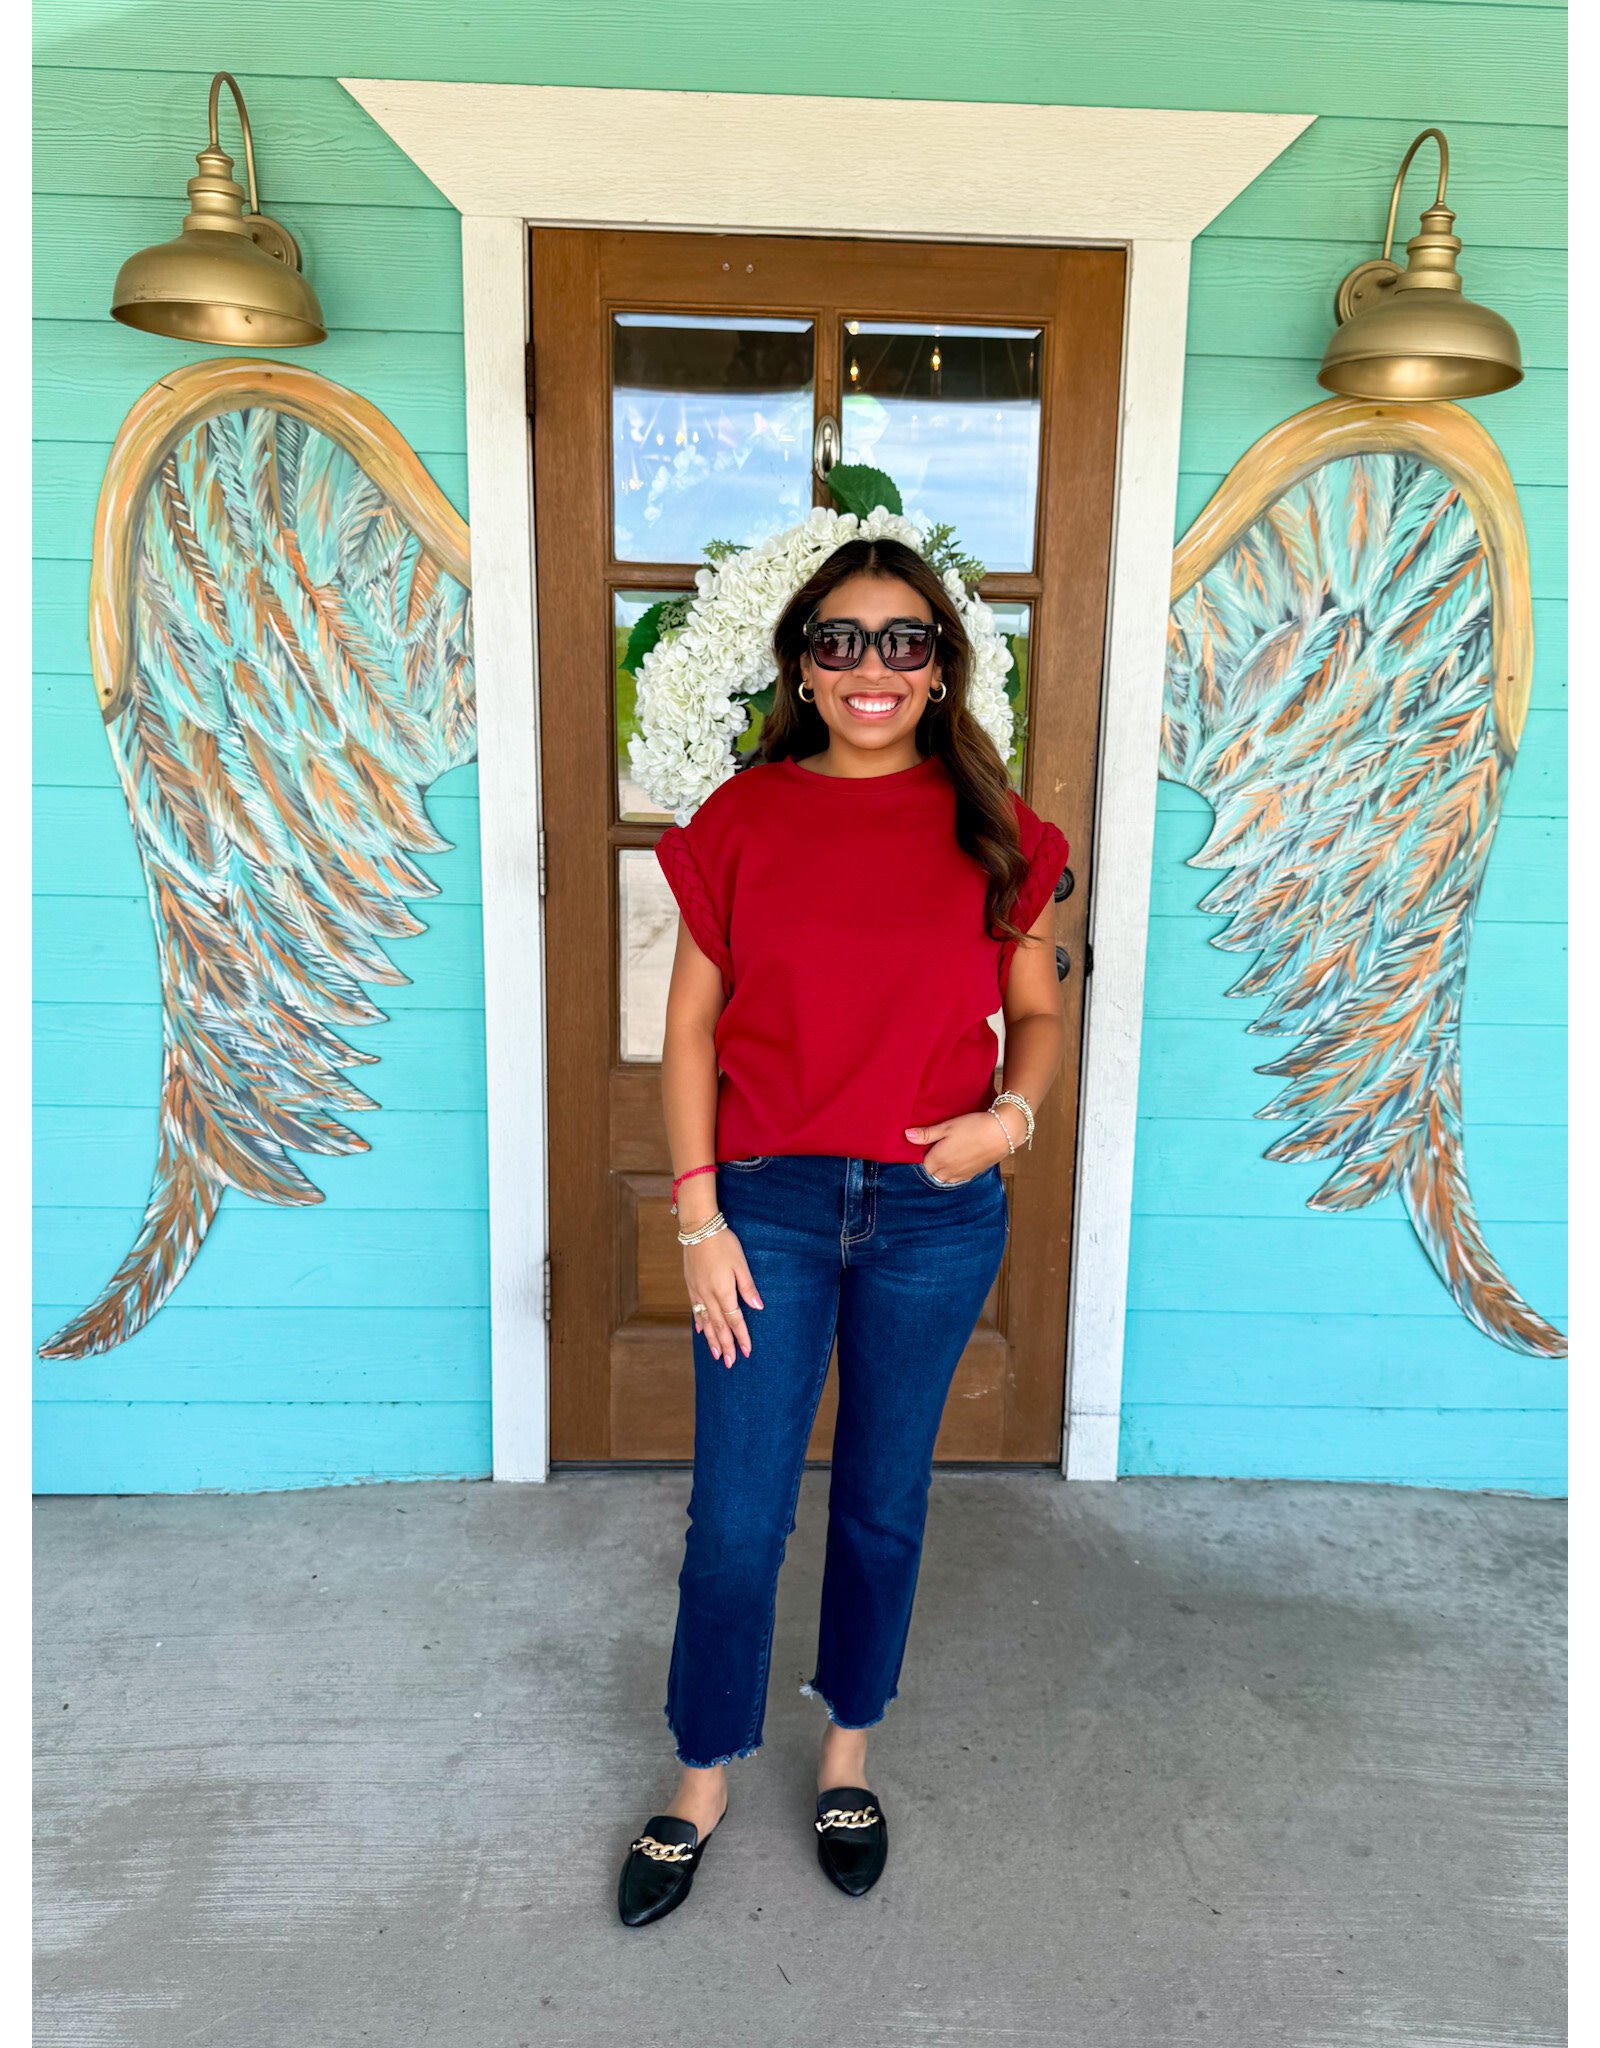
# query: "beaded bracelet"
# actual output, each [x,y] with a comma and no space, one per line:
[707,1229]
[1021,1101]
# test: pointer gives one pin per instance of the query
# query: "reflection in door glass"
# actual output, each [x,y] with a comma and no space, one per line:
[634,804]
[1014,620]
[952,414]
[647,926]
[711,424]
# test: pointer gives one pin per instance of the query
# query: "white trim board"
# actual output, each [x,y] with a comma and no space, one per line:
[494,257]
[963,170]
[556,156]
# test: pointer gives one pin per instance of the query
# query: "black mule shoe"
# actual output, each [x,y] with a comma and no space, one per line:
[660,1868]
[852,1838]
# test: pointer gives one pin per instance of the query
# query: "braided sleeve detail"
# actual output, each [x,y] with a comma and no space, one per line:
[1045,862]
[694,898]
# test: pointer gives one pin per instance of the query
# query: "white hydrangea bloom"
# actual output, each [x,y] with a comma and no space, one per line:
[691,692]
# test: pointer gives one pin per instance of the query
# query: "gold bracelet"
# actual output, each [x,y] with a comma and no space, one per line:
[707,1229]
[1022,1102]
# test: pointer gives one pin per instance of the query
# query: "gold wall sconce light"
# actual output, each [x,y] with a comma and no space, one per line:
[228,276]
[1412,334]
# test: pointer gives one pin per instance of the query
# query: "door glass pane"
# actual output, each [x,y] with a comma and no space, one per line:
[647,920]
[1015,621]
[952,414]
[630,606]
[634,805]
[711,428]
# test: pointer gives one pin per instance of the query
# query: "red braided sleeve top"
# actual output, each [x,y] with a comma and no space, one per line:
[847,925]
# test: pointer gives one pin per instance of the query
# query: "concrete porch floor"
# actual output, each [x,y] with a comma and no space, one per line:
[1173,1762]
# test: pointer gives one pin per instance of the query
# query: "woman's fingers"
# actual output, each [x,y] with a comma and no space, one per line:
[733,1317]
[722,1321]
[714,1328]
[725,1330]
[722,1324]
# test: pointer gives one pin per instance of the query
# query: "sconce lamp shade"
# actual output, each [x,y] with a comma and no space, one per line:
[228,276]
[213,285]
[1412,334]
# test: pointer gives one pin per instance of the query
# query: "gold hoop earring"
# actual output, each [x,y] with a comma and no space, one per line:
[800,692]
[941,693]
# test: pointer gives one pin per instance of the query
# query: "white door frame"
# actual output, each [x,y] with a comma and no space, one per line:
[514,156]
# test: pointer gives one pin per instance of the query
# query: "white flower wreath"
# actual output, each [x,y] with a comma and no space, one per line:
[693,688]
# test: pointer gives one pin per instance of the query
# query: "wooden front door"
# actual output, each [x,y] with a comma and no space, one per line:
[678,383]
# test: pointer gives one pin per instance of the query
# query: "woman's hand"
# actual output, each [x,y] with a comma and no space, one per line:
[962,1146]
[716,1272]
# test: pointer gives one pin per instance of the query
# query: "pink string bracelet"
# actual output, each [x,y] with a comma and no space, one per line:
[693,1170]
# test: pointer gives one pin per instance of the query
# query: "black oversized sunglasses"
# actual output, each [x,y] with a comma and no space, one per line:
[843,643]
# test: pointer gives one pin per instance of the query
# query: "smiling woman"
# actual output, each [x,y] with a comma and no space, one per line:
[882,676]
[851,901]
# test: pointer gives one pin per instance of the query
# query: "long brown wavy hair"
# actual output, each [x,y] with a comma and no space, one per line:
[986,825]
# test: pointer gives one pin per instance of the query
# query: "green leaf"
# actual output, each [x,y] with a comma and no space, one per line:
[1017,674]
[653,626]
[857,488]
[646,632]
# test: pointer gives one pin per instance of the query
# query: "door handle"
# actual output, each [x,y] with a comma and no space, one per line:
[826,446]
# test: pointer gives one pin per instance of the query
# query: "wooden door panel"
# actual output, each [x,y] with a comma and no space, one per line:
[622,1385]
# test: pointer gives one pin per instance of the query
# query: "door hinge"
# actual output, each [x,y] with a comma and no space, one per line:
[543,868]
[527,376]
[1088,957]
[547,1287]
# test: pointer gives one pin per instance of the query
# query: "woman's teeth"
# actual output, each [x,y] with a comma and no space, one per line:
[873,707]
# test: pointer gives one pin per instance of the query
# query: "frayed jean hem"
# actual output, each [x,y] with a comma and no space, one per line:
[694,1764]
[811,1690]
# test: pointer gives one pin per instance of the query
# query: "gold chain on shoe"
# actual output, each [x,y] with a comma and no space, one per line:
[844,1817]
[664,1852]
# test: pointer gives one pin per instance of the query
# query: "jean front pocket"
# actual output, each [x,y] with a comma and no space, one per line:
[756,1159]
[945,1187]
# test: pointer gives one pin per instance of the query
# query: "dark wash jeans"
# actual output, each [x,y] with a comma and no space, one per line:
[900,1268]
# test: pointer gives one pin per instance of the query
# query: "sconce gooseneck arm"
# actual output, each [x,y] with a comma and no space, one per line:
[1400,178]
[226,78]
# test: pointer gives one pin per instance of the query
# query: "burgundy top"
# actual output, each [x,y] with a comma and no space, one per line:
[848,927]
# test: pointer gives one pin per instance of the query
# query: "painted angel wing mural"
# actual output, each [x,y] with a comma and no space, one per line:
[1348,669]
[281,640]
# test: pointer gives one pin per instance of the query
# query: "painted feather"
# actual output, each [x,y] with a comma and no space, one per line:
[1348,666]
[281,638]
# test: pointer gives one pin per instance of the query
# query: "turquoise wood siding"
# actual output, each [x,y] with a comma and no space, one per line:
[350,1341]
